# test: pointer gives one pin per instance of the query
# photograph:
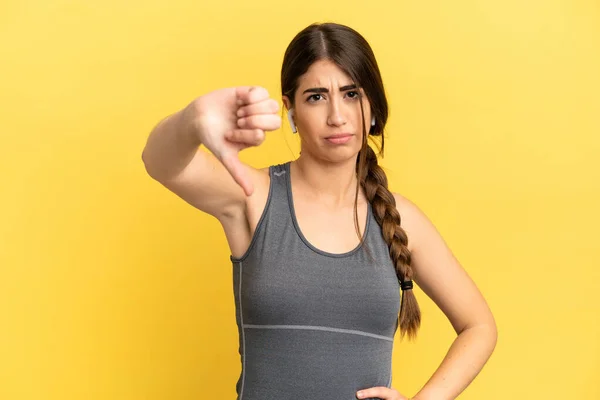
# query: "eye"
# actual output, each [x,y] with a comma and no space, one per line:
[354,94]
[313,97]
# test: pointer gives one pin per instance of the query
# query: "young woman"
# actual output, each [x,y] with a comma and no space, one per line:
[321,249]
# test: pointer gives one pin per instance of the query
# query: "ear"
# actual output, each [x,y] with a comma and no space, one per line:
[286,102]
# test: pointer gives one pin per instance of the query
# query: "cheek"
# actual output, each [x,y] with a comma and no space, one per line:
[312,120]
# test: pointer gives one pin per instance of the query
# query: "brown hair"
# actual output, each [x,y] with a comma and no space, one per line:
[352,53]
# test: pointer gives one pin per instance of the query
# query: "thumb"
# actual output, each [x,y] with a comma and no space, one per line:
[238,171]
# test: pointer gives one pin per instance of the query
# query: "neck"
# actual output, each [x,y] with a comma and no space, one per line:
[331,184]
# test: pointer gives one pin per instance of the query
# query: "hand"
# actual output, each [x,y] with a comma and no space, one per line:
[381,392]
[229,120]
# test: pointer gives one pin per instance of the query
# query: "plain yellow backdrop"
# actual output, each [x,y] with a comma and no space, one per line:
[111,287]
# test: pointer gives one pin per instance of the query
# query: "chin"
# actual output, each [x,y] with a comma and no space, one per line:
[340,155]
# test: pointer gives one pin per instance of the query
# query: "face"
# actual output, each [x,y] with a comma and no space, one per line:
[327,103]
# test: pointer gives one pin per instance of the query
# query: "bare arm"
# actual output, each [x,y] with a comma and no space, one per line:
[172,157]
[169,148]
[212,179]
[441,277]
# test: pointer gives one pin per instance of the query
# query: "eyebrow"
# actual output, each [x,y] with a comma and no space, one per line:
[325,90]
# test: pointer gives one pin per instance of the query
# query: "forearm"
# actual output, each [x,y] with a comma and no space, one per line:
[465,359]
[169,148]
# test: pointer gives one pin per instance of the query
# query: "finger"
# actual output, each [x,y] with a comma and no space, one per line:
[251,94]
[378,391]
[235,167]
[250,137]
[266,122]
[241,92]
[268,106]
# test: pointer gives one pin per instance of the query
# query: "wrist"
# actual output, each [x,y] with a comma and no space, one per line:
[187,129]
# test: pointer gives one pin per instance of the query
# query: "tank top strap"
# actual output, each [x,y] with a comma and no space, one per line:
[278,191]
[280,194]
[278,172]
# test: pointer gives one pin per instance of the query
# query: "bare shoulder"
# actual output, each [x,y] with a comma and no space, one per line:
[420,229]
[260,175]
[255,203]
[239,226]
[411,217]
[261,181]
[439,273]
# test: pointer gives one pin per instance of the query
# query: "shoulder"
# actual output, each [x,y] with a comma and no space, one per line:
[260,176]
[261,180]
[405,206]
[414,221]
[438,272]
[263,172]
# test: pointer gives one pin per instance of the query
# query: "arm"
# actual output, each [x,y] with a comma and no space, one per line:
[169,148]
[173,158]
[213,181]
[438,273]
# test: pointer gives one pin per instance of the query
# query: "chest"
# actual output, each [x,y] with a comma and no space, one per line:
[327,230]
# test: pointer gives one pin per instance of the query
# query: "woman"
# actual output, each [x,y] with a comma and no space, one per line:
[321,249]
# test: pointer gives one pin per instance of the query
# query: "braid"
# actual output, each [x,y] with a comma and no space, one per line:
[374,182]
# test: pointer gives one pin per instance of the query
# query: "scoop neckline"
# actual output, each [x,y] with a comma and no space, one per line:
[299,231]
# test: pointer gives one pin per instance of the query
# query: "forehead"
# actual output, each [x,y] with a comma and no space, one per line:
[324,73]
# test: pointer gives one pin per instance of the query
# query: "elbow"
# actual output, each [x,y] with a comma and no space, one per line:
[489,331]
[484,330]
[148,166]
[145,162]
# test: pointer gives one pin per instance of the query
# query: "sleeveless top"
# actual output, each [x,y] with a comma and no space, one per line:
[312,324]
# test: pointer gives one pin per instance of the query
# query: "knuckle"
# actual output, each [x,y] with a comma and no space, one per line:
[274,105]
[262,90]
[259,135]
[274,122]
[259,93]
[232,135]
[247,122]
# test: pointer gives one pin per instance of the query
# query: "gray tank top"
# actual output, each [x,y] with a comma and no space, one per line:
[312,324]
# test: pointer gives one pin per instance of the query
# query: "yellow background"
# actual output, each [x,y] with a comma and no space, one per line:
[113,288]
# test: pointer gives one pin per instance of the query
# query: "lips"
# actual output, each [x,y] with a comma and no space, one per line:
[339,139]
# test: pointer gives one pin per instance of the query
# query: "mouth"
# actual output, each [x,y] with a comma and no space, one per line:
[339,138]
[338,135]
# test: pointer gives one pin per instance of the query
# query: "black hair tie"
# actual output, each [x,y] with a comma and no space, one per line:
[406,285]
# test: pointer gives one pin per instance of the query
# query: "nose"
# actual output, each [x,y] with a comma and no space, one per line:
[335,116]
